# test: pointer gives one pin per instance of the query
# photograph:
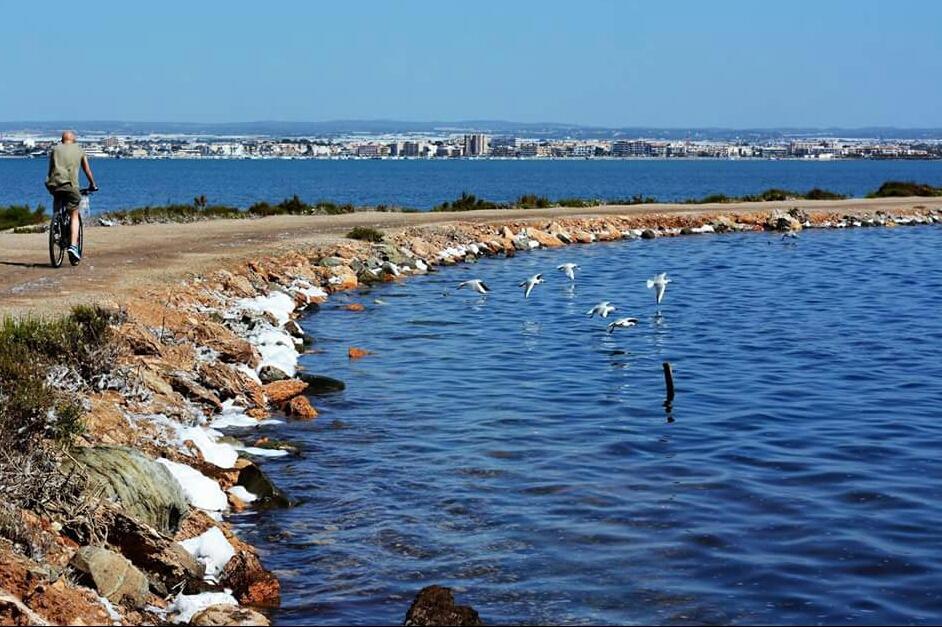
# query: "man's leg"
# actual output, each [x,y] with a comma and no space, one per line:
[75,226]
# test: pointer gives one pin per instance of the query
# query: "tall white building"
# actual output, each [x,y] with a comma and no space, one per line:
[475,145]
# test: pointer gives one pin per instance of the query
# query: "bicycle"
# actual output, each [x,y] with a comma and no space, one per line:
[60,228]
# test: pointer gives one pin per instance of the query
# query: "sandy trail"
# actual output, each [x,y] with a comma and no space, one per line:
[121,260]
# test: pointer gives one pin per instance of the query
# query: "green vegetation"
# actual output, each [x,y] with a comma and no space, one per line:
[895,189]
[823,194]
[637,199]
[532,201]
[43,366]
[173,213]
[577,202]
[21,215]
[24,219]
[467,202]
[769,195]
[202,210]
[366,234]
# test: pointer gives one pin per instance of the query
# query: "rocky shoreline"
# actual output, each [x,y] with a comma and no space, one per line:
[220,350]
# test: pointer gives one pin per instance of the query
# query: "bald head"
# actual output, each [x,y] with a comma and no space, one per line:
[68,137]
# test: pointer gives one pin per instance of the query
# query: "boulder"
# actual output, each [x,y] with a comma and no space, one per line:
[239,285]
[138,339]
[250,583]
[648,234]
[228,615]
[355,307]
[583,237]
[143,487]
[545,239]
[230,346]
[167,564]
[226,381]
[294,328]
[300,408]
[278,392]
[183,383]
[435,605]
[115,578]
[255,481]
[781,221]
[319,384]
[332,262]
[269,373]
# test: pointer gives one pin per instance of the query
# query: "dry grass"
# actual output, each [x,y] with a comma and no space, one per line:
[45,365]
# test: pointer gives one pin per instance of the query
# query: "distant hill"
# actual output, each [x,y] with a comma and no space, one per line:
[548,130]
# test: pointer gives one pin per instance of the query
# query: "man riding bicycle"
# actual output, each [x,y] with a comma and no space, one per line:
[62,183]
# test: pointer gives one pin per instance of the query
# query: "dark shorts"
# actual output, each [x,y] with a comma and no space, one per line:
[68,197]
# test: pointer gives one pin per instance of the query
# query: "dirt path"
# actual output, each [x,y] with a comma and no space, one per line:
[122,259]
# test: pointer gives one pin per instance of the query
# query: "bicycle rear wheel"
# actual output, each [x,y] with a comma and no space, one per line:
[56,247]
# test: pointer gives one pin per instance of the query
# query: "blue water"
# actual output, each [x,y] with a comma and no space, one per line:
[518,453]
[423,184]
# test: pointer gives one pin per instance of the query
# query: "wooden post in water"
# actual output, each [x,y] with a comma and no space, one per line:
[668,383]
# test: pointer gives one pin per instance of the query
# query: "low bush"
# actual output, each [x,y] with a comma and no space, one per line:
[43,366]
[577,202]
[532,201]
[21,215]
[823,194]
[366,234]
[898,189]
[467,202]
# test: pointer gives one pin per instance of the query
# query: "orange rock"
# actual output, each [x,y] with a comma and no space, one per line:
[356,353]
[582,236]
[250,583]
[545,239]
[280,391]
[299,407]
[355,307]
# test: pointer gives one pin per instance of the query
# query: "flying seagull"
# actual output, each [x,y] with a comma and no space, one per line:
[569,269]
[622,323]
[475,284]
[530,283]
[659,283]
[602,309]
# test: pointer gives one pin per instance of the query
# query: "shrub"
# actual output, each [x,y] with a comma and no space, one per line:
[366,234]
[823,194]
[43,364]
[532,201]
[331,209]
[637,199]
[21,215]
[173,213]
[577,202]
[294,206]
[467,202]
[895,189]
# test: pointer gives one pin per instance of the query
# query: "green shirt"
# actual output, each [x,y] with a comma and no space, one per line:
[64,162]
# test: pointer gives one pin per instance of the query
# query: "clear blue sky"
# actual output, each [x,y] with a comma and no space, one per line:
[613,63]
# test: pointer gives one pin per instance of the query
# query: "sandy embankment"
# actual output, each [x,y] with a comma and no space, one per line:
[208,337]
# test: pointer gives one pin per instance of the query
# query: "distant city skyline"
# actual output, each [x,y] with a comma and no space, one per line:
[735,65]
